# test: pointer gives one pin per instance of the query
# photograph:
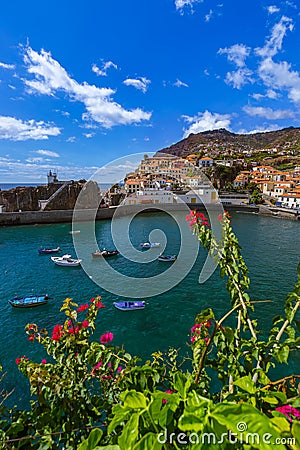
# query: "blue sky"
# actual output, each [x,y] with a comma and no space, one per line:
[85,83]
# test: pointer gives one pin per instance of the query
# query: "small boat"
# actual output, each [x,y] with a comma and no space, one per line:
[28,302]
[150,244]
[74,232]
[105,253]
[47,251]
[167,258]
[131,305]
[66,261]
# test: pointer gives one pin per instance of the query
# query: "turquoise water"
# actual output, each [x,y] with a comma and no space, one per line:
[270,248]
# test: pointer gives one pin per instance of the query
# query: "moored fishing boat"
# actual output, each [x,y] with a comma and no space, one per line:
[150,244]
[105,253]
[130,305]
[66,261]
[47,251]
[28,302]
[167,258]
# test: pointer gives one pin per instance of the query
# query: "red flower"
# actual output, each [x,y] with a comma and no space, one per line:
[57,332]
[83,307]
[106,337]
[100,305]
[85,324]
[18,360]
[220,217]
[31,338]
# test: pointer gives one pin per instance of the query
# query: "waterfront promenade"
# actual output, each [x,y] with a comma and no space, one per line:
[66,216]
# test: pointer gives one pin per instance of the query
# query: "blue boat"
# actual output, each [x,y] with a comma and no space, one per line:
[29,302]
[130,305]
[47,251]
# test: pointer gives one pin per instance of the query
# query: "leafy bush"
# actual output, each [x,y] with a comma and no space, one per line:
[92,395]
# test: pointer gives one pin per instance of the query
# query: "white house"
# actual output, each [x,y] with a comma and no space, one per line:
[290,200]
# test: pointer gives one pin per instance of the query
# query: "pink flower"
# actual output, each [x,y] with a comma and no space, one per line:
[18,360]
[195,328]
[119,369]
[289,411]
[85,324]
[169,392]
[97,366]
[31,338]
[206,339]
[106,337]
[44,361]
[189,216]
[83,307]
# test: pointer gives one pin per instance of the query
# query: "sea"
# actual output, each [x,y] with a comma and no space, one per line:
[270,246]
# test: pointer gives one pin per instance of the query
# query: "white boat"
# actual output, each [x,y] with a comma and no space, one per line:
[167,258]
[150,244]
[66,261]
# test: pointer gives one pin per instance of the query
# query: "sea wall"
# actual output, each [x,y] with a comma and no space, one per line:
[61,216]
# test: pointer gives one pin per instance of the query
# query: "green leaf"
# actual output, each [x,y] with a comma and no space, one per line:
[149,442]
[246,384]
[247,421]
[93,439]
[296,433]
[282,354]
[133,399]
[130,432]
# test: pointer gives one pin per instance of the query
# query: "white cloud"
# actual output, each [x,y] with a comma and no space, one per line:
[261,129]
[209,15]
[206,121]
[88,135]
[269,113]
[7,66]
[47,153]
[237,54]
[181,4]
[273,95]
[239,77]
[37,160]
[50,77]
[18,130]
[280,76]
[179,83]
[272,9]
[71,139]
[139,83]
[35,169]
[274,43]
[105,66]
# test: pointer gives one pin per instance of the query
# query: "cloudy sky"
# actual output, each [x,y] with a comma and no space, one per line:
[85,83]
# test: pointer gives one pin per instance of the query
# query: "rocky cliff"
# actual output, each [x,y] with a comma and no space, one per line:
[27,198]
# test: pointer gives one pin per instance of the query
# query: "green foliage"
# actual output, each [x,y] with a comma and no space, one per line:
[93,395]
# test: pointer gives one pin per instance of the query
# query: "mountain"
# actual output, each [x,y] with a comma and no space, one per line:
[223,141]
